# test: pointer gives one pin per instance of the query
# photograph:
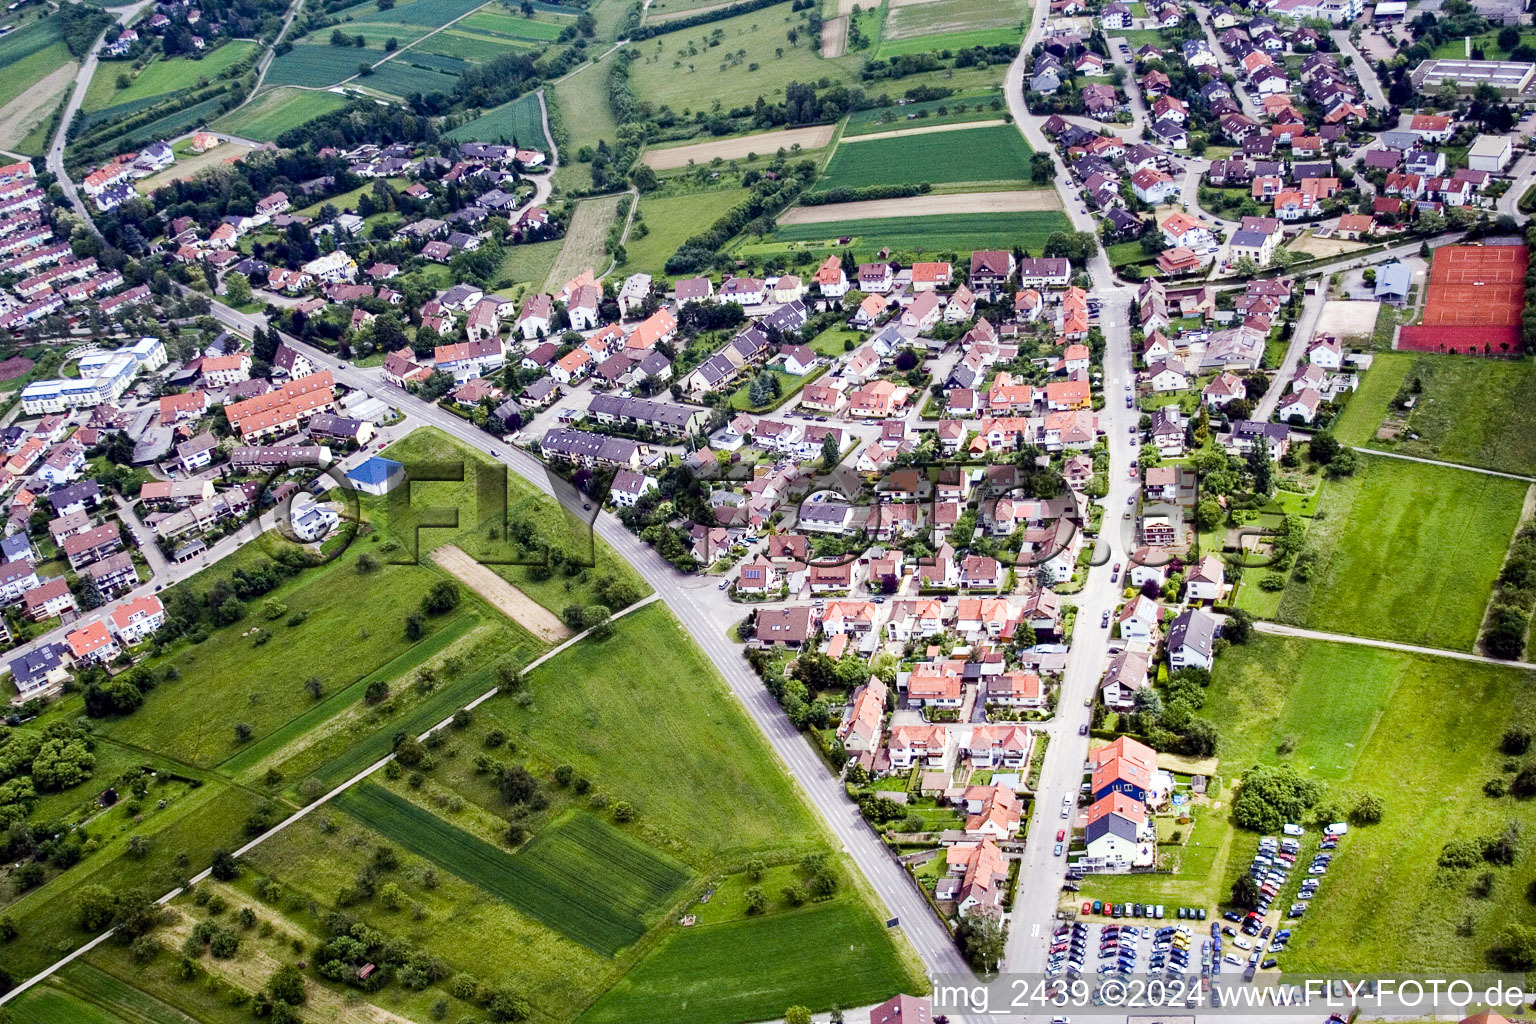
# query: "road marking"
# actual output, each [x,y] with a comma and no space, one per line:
[1035,930]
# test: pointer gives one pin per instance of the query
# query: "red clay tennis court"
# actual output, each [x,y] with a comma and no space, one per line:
[1474,301]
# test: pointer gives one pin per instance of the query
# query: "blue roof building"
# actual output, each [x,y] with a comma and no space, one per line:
[377,476]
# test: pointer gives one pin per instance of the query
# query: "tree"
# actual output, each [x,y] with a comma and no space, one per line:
[1245,892]
[94,905]
[1272,795]
[1368,809]
[1239,626]
[1209,514]
[225,867]
[982,940]
[764,388]
[442,598]
[757,900]
[1042,168]
[287,984]
[237,288]
[376,692]
[415,627]
[797,1015]
[829,451]
[1516,948]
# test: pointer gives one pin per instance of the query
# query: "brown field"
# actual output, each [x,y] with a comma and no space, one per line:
[684,12]
[584,241]
[923,206]
[834,37]
[931,129]
[1352,319]
[188,167]
[910,3]
[14,367]
[738,148]
[503,596]
[1314,246]
[31,108]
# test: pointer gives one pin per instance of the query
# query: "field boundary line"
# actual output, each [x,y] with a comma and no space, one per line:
[932,129]
[1301,633]
[1442,462]
[304,811]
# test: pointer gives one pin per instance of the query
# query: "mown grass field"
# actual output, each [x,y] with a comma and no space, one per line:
[941,18]
[587,881]
[585,244]
[278,111]
[947,40]
[82,994]
[915,236]
[1420,733]
[581,100]
[684,71]
[1489,432]
[1406,551]
[670,221]
[820,956]
[997,154]
[518,120]
[160,78]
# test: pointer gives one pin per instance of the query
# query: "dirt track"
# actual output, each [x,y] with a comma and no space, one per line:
[930,130]
[834,37]
[922,206]
[32,107]
[503,596]
[738,149]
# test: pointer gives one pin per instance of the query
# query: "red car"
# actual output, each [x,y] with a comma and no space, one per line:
[1087,908]
[1061,834]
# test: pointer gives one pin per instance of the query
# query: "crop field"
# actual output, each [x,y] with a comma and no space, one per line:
[29,55]
[499,20]
[82,994]
[669,222]
[923,206]
[660,10]
[915,236]
[587,881]
[319,64]
[585,240]
[277,111]
[160,78]
[1406,551]
[740,148]
[517,120]
[997,153]
[409,73]
[946,17]
[685,71]
[833,954]
[1489,433]
[1422,734]
[949,41]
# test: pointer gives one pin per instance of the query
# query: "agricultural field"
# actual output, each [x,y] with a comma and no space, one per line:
[943,18]
[518,120]
[38,72]
[661,10]
[741,147]
[911,237]
[689,70]
[1380,563]
[928,113]
[314,63]
[585,241]
[993,154]
[950,41]
[157,81]
[529,264]
[930,205]
[279,110]
[586,880]
[317,64]
[669,221]
[1488,433]
[413,71]
[1423,735]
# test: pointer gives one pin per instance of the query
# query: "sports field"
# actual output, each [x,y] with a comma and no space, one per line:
[998,153]
[1420,733]
[272,113]
[1474,301]
[915,236]
[1405,551]
[586,880]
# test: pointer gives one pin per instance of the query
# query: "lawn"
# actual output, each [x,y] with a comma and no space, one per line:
[790,385]
[1456,49]
[581,102]
[997,154]
[160,78]
[1382,567]
[670,221]
[530,263]
[586,880]
[909,237]
[1489,433]
[236,675]
[1422,734]
[832,341]
[821,956]
[722,798]
[278,111]
[518,120]
[732,62]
